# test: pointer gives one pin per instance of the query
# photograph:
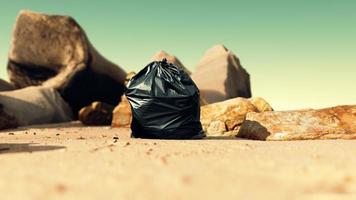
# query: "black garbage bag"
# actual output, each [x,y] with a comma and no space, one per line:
[164,102]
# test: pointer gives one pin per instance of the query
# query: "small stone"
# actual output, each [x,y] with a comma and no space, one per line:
[163,159]
[122,114]
[149,150]
[97,113]
[60,188]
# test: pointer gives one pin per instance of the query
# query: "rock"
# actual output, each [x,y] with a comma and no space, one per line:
[5,86]
[329,123]
[97,113]
[32,105]
[218,118]
[261,104]
[54,51]
[170,58]
[220,75]
[216,128]
[122,115]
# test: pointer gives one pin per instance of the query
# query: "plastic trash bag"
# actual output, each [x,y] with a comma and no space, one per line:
[164,102]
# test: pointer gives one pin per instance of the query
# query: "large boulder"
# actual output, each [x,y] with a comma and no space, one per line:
[225,118]
[54,51]
[32,105]
[328,123]
[170,58]
[220,76]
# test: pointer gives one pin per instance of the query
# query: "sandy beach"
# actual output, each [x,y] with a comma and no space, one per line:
[69,161]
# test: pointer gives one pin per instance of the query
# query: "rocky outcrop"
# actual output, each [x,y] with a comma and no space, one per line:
[170,58]
[122,115]
[6,86]
[97,113]
[225,118]
[220,75]
[54,51]
[329,123]
[32,105]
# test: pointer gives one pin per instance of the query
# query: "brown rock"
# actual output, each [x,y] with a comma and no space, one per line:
[98,113]
[220,75]
[122,115]
[328,123]
[54,51]
[218,118]
[261,104]
[5,86]
[170,58]
[32,105]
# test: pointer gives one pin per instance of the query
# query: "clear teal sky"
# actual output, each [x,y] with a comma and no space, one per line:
[299,53]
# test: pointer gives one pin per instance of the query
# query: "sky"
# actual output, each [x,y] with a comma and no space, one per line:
[300,54]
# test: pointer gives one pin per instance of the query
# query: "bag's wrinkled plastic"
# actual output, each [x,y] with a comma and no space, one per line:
[164,102]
